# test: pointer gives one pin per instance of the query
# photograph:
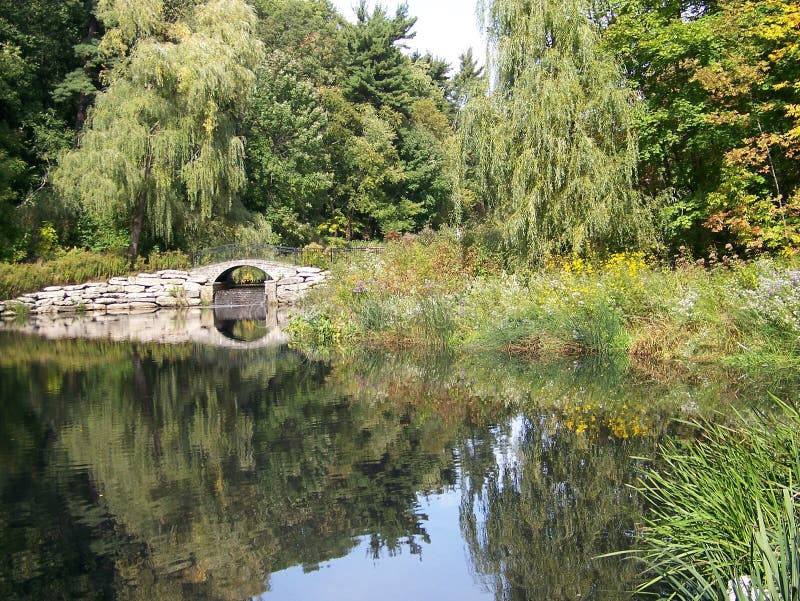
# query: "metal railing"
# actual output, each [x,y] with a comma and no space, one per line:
[311,256]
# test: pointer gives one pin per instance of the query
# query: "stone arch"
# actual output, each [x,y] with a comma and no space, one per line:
[225,275]
[275,271]
[226,292]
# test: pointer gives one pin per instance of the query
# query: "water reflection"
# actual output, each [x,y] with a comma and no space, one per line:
[140,471]
[245,323]
[536,518]
[241,327]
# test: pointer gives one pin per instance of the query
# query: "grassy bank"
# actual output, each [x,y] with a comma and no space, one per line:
[738,315]
[79,266]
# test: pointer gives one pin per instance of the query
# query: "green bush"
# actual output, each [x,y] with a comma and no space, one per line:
[313,331]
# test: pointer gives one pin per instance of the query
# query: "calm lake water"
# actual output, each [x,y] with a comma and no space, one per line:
[144,471]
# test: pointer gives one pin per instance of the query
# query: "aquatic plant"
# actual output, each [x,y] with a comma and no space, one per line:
[723,511]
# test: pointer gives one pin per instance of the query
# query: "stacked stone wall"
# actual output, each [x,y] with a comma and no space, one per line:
[147,292]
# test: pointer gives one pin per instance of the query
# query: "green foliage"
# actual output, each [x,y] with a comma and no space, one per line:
[313,331]
[725,507]
[36,53]
[719,132]
[162,138]
[308,31]
[347,137]
[377,72]
[257,232]
[624,310]
[469,81]
[553,145]
[287,162]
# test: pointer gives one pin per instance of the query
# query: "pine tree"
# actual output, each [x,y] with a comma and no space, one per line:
[469,80]
[377,72]
[553,146]
[161,143]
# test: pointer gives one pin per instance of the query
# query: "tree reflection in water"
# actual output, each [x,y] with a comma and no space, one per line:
[187,472]
[536,517]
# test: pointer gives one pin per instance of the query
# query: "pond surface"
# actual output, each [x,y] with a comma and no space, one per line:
[184,471]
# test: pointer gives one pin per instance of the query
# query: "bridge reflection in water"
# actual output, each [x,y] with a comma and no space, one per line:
[229,327]
[243,322]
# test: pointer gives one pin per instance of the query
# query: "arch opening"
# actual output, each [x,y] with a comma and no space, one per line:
[242,286]
[243,275]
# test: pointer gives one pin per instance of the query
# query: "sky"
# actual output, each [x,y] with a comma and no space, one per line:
[445,27]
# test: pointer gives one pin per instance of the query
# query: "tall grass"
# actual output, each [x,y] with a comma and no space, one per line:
[723,512]
[79,266]
[667,321]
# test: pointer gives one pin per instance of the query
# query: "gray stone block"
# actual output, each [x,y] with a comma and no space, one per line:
[121,308]
[167,301]
[138,305]
[51,294]
[290,280]
[146,281]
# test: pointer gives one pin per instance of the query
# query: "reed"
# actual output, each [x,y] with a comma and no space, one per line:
[722,519]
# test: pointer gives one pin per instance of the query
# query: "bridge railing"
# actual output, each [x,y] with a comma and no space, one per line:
[320,257]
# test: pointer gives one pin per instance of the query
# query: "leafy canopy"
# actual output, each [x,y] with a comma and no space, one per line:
[552,143]
[162,139]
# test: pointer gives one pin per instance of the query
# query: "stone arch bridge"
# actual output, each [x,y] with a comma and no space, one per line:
[284,284]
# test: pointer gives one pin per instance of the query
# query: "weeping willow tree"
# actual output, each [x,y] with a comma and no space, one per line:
[161,143]
[551,147]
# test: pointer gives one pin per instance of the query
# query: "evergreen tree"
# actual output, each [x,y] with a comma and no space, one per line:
[468,81]
[377,72]
[435,71]
[555,151]
[161,143]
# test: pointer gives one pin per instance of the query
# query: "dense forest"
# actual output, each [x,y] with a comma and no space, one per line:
[589,126]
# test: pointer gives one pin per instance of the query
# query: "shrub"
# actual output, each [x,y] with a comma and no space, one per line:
[313,331]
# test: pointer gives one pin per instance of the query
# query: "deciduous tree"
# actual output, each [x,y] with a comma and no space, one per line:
[553,142]
[162,140]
